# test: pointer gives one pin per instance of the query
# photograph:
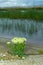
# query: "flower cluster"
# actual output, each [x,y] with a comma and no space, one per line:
[17,46]
[18,40]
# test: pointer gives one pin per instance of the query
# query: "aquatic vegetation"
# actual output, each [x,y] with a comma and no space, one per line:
[17,46]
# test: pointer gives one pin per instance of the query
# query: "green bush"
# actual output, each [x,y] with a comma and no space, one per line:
[34,14]
[17,46]
[40,51]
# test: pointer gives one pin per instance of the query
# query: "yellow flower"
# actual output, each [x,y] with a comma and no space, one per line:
[14,40]
[24,39]
[18,40]
[23,58]
[8,42]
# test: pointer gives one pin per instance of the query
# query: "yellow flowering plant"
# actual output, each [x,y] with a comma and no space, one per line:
[17,46]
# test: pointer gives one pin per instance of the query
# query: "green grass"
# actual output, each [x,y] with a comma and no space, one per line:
[35,14]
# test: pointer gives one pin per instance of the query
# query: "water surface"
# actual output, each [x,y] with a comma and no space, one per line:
[31,29]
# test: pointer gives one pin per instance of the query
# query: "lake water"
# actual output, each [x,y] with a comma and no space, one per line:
[31,29]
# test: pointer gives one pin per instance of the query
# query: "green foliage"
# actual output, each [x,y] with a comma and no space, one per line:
[17,46]
[35,14]
[40,51]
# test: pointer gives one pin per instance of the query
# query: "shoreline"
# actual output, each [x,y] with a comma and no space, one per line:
[30,60]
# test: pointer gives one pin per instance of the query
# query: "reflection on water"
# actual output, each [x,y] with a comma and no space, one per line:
[21,28]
